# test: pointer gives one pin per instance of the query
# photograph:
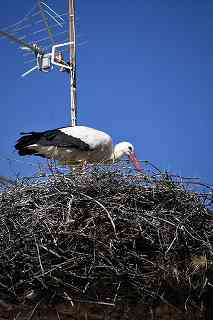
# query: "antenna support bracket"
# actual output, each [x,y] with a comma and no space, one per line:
[54,54]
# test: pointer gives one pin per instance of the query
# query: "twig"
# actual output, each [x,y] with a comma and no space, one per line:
[39,257]
[107,212]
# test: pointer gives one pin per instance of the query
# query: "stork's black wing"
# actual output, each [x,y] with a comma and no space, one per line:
[50,138]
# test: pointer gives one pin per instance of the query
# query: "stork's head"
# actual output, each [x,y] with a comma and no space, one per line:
[125,148]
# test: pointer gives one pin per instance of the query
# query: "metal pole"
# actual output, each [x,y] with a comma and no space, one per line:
[72,39]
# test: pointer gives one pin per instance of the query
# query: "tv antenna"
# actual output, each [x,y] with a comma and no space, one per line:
[40,35]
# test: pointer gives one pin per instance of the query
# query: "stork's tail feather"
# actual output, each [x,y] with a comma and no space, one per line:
[23,144]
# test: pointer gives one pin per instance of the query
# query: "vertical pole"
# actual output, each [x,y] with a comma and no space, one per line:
[72,39]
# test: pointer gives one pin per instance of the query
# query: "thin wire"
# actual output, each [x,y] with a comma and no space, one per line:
[37,31]
[64,14]
[59,23]
[52,10]
[41,30]
[20,21]
[45,20]
[21,28]
[30,15]
[43,39]
[36,14]
[19,41]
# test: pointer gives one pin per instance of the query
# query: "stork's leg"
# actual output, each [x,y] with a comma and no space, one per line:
[80,168]
[84,165]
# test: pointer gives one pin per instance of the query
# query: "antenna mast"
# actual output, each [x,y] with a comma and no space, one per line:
[72,39]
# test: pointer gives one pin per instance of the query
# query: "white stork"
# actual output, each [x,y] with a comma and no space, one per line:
[75,145]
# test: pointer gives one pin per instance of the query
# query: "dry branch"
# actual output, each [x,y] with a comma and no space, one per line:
[106,238]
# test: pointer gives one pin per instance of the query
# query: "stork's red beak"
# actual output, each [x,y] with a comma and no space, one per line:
[135,161]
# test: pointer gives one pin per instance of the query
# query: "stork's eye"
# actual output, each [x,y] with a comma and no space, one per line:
[130,148]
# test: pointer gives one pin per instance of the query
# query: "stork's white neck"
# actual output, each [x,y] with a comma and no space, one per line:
[118,153]
[121,149]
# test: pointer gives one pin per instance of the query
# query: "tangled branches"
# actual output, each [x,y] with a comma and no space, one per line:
[106,238]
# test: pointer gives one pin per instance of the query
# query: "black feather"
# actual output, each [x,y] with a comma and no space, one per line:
[48,138]
[23,142]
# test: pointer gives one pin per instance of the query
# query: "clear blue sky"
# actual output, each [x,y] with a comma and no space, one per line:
[144,75]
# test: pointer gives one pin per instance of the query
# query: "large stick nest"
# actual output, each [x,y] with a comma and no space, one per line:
[107,238]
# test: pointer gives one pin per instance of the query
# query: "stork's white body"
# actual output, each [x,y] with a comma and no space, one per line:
[75,144]
[100,146]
